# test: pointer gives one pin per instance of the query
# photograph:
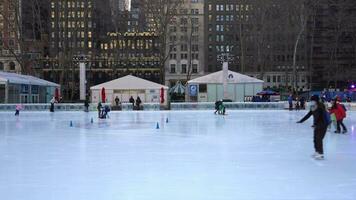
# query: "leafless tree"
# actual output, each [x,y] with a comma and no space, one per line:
[160,14]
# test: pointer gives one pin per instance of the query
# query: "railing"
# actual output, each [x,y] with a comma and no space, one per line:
[156,106]
[229,106]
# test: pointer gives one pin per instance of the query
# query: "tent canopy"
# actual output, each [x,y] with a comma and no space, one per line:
[24,79]
[268,92]
[233,77]
[129,82]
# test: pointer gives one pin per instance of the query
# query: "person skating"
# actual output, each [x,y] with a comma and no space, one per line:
[297,104]
[53,100]
[302,103]
[319,113]
[290,101]
[217,105]
[17,109]
[340,113]
[86,105]
[99,107]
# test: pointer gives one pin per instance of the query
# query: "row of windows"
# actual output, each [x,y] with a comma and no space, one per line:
[72,14]
[280,79]
[229,7]
[185,38]
[192,11]
[80,34]
[228,18]
[72,24]
[184,47]
[79,44]
[172,68]
[131,44]
[71,4]
[173,56]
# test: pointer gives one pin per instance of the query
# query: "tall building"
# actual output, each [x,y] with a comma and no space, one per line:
[332,44]
[9,38]
[185,47]
[257,38]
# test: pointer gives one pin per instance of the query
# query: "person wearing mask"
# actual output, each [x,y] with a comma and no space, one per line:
[321,122]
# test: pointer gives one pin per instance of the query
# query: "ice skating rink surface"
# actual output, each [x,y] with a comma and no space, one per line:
[195,156]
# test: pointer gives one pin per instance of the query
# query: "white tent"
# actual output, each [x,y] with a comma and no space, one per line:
[233,77]
[128,86]
[210,87]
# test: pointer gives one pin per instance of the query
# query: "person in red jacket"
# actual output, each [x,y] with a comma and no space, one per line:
[340,114]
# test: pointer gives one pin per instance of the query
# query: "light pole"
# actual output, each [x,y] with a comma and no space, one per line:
[225,58]
[81,59]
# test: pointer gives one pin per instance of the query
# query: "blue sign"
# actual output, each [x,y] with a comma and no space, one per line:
[193,90]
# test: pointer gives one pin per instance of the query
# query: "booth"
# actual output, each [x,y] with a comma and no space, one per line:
[127,86]
[209,88]
[17,88]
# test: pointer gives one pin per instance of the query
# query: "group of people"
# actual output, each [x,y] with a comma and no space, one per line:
[299,103]
[103,111]
[219,107]
[323,117]
[136,105]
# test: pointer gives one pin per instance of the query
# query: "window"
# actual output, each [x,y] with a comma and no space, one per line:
[12,66]
[173,69]
[202,88]
[184,68]
[195,68]
[1,66]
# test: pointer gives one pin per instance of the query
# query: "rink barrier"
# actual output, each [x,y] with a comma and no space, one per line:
[229,106]
[72,107]
[156,107]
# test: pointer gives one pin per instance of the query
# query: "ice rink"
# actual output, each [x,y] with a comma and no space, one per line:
[195,156]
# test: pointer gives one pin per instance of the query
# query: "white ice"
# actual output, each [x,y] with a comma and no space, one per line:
[195,156]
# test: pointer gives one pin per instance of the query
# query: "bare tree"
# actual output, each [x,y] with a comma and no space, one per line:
[160,14]
[14,42]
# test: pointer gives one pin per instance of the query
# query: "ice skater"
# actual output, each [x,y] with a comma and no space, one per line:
[321,122]
[104,111]
[86,105]
[17,109]
[290,102]
[219,107]
[53,100]
[99,107]
[339,111]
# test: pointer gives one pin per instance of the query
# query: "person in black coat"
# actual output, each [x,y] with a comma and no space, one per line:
[99,107]
[317,110]
[138,102]
[132,100]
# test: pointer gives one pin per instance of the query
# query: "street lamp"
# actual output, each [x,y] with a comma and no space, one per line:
[82,60]
[225,58]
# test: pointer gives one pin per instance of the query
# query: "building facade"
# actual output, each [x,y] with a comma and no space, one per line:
[259,40]
[9,38]
[185,46]
[332,44]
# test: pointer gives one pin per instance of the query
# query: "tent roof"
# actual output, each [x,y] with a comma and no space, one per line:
[24,79]
[217,77]
[129,82]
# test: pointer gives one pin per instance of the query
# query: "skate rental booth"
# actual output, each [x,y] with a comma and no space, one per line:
[17,88]
[210,88]
[127,86]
